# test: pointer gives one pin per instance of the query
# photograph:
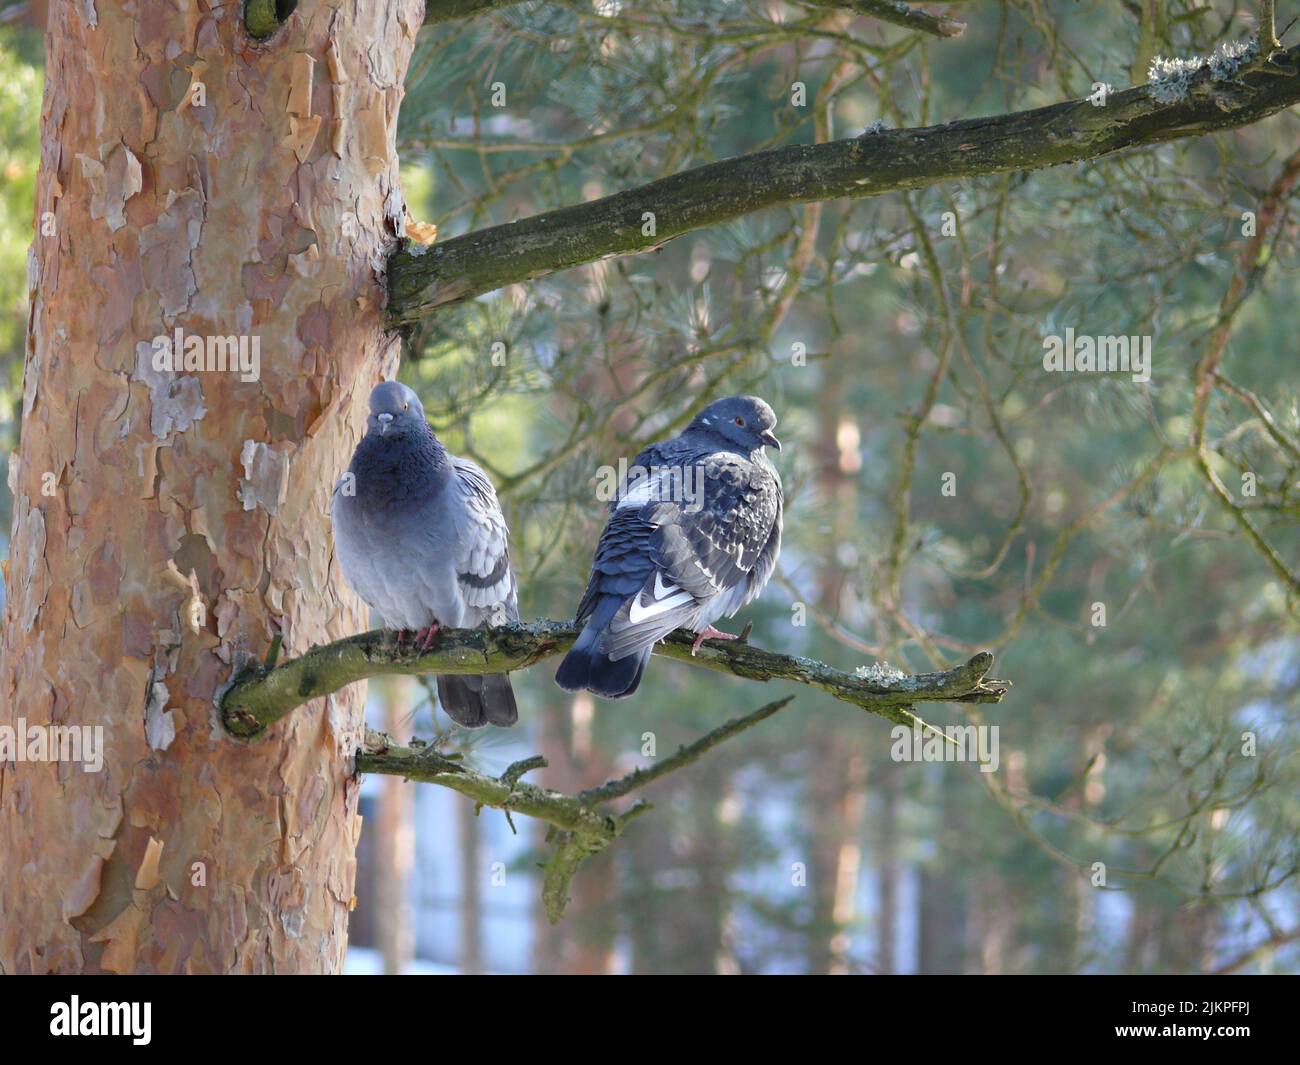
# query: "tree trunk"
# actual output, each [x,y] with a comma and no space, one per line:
[835,808]
[837,790]
[202,181]
[395,842]
[470,910]
[941,925]
[889,871]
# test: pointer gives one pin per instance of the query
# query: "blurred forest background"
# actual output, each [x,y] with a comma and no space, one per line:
[897,346]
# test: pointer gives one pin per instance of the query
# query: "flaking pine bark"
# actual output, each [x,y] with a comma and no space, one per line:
[169,524]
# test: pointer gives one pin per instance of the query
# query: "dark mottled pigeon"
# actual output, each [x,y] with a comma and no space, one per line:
[421,539]
[692,536]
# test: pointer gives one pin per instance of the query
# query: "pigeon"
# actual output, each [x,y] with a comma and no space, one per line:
[420,538]
[693,535]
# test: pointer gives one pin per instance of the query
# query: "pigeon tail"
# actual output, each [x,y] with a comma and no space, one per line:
[475,701]
[575,671]
[617,679]
[587,668]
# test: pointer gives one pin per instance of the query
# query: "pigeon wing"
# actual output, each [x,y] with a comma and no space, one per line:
[623,555]
[483,572]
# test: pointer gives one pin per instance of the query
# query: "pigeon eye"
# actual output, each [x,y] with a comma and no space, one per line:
[406,406]
[740,421]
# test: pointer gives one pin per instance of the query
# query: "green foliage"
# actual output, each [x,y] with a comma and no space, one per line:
[1120,743]
[20,111]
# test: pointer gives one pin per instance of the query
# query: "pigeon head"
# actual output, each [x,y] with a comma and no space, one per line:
[399,459]
[395,411]
[743,421]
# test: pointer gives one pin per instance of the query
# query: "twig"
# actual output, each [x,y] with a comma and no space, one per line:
[639,778]
[900,14]
[580,828]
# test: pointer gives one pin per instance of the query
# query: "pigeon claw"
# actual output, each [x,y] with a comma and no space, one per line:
[426,636]
[710,633]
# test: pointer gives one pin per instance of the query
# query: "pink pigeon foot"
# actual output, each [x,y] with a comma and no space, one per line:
[426,636]
[711,633]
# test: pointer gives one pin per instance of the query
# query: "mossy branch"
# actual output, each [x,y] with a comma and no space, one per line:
[260,696]
[421,280]
[580,824]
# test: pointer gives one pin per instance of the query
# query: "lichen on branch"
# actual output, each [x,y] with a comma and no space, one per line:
[261,695]
[580,826]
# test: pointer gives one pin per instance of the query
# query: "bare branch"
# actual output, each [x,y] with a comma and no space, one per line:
[580,828]
[642,219]
[1262,950]
[1252,260]
[1268,26]
[428,765]
[260,697]
[900,14]
[639,778]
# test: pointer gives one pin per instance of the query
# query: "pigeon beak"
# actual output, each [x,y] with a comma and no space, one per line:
[385,420]
[769,438]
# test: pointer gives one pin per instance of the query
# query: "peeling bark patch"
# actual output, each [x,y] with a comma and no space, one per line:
[167,251]
[147,875]
[289,896]
[122,936]
[33,539]
[85,891]
[32,370]
[303,68]
[303,125]
[112,185]
[266,476]
[159,722]
[194,556]
[176,402]
[178,408]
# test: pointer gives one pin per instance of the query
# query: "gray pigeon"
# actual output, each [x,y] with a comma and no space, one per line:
[693,535]
[420,537]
